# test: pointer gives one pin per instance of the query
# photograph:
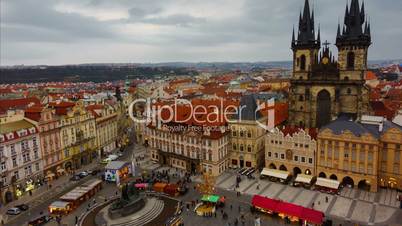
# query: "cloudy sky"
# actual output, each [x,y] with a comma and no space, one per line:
[121,31]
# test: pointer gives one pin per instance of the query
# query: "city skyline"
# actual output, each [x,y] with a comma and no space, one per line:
[74,32]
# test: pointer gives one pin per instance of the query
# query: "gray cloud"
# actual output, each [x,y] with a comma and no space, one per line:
[174,30]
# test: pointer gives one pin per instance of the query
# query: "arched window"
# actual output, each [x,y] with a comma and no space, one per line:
[303,62]
[346,78]
[301,98]
[351,60]
[349,91]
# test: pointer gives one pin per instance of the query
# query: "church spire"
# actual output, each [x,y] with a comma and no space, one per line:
[319,34]
[293,35]
[354,28]
[306,36]
[362,13]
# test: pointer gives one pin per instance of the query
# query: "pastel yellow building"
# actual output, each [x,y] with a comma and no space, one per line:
[390,167]
[363,154]
[78,134]
[291,149]
[106,127]
[247,135]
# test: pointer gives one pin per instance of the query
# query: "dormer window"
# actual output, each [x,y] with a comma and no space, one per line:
[10,136]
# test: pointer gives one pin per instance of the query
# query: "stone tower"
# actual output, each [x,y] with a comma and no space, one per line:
[353,43]
[321,88]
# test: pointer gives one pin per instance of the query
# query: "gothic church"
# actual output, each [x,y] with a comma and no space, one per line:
[322,88]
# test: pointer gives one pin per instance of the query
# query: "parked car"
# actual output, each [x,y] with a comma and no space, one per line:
[83,174]
[75,178]
[106,160]
[40,221]
[113,157]
[13,211]
[93,172]
[22,207]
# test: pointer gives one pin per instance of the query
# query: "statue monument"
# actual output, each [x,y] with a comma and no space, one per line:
[130,202]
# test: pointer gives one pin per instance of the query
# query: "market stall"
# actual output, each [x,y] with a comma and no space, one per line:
[289,211]
[60,207]
[327,185]
[304,180]
[264,204]
[273,174]
[208,205]
[82,193]
[171,189]
[158,187]
[116,171]
[141,186]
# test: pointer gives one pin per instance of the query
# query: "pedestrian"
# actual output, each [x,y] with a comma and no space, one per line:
[215,214]
[76,219]
[312,205]
[231,206]
[239,208]
[326,199]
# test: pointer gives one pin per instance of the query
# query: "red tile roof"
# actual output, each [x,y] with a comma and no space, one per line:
[290,130]
[380,109]
[21,103]
[370,75]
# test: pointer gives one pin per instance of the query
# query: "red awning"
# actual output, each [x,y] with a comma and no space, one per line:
[312,216]
[264,203]
[289,209]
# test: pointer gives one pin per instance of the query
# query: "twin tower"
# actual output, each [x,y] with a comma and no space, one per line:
[323,88]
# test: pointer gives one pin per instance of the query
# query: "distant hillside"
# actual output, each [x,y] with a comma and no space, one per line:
[110,72]
[83,73]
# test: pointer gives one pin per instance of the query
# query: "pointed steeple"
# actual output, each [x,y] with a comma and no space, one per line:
[306,36]
[312,19]
[362,13]
[306,11]
[293,35]
[319,34]
[346,20]
[338,33]
[354,28]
